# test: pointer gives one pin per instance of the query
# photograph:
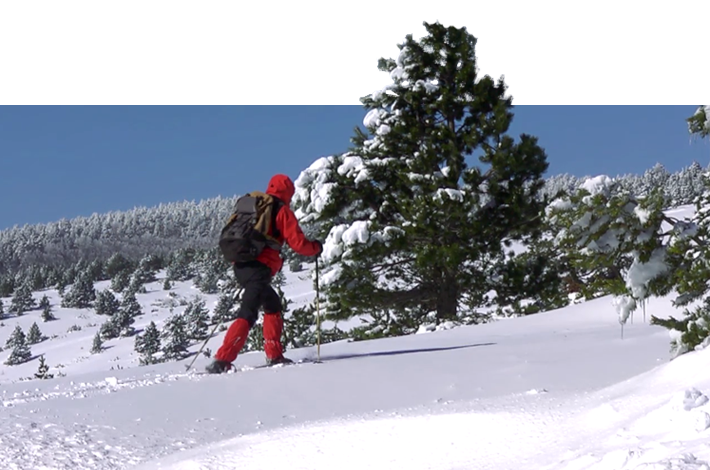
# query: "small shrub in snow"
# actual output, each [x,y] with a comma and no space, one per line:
[73,328]
[43,370]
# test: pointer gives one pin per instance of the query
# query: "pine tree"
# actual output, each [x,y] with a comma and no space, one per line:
[17,337]
[106,303]
[44,302]
[130,305]
[120,281]
[98,344]
[2,310]
[406,204]
[126,315]
[148,344]
[47,314]
[699,123]
[82,293]
[22,300]
[197,318]
[43,370]
[35,336]
[117,263]
[20,349]
[110,329]
[167,285]
[180,267]
[175,338]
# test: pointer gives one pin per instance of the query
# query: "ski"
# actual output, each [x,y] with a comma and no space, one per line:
[261,366]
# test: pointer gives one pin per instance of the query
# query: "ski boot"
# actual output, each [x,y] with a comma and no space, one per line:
[218,367]
[277,361]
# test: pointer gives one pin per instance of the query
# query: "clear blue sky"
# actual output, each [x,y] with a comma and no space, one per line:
[107,115]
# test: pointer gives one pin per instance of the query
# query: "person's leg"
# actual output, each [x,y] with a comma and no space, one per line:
[273,324]
[254,281]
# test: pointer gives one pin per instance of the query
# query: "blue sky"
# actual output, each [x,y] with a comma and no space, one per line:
[108,115]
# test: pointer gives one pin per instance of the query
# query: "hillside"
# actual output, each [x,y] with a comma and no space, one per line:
[564,386]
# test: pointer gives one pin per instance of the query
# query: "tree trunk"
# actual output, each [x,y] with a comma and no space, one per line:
[447,299]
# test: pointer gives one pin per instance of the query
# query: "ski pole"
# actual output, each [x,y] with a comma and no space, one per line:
[317,311]
[216,325]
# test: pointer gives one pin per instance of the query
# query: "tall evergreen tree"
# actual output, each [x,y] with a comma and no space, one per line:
[47,314]
[120,281]
[106,303]
[20,349]
[411,221]
[197,317]
[82,293]
[148,344]
[98,345]
[22,300]
[35,336]
[16,338]
[174,337]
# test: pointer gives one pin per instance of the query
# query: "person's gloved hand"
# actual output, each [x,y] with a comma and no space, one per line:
[320,247]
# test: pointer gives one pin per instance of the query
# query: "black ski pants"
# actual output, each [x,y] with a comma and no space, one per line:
[255,278]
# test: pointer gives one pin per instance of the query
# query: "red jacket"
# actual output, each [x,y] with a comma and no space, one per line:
[290,231]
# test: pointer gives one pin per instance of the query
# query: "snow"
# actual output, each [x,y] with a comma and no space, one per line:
[706,110]
[598,185]
[556,390]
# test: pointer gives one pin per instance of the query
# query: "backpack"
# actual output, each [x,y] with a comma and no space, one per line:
[245,235]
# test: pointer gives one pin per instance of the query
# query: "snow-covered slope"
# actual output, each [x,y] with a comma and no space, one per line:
[558,390]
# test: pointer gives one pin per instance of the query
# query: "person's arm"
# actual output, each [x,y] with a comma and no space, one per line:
[290,229]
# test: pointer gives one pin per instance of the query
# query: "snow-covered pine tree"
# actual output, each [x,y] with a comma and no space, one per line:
[17,337]
[135,286]
[82,293]
[2,310]
[612,239]
[20,349]
[106,303]
[98,345]
[211,270]
[126,315]
[22,300]
[120,281]
[7,285]
[197,319]
[411,220]
[117,263]
[180,266]
[44,302]
[699,123]
[167,285]
[34,335]
[175,340]
[47,314]
[148,344]
[225,310]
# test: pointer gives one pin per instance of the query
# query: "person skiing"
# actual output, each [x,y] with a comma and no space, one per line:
[255,278]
